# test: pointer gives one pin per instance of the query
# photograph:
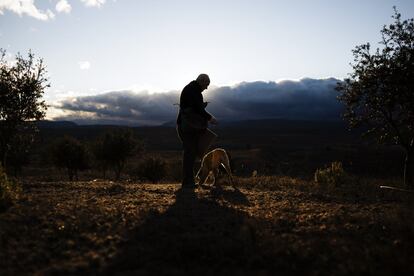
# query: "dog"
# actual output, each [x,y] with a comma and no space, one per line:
[211,164]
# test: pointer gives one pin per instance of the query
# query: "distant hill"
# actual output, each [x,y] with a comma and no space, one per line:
[232,134]
[259,123]
[268,123]
[55,124]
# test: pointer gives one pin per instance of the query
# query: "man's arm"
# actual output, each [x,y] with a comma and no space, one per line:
[199,108]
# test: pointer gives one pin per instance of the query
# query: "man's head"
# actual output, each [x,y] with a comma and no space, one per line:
[203,80]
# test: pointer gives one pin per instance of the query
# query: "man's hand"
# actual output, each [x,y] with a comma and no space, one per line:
[213,121]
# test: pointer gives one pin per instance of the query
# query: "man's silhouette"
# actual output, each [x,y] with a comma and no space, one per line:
[192,123]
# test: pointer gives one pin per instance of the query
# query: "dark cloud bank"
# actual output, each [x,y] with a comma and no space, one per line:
[307,99]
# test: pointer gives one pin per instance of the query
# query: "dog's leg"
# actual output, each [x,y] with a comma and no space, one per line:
[226,162]
[213,175]
[206,179]
[226,167]
[231,179]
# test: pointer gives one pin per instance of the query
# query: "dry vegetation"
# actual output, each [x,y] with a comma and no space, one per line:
[269,225]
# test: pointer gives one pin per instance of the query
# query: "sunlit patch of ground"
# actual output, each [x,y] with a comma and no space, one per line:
[285,228]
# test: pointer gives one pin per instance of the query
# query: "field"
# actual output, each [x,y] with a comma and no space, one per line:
[266,226]
[279,222]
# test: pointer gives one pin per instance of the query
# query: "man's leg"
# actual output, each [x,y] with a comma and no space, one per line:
[189,138]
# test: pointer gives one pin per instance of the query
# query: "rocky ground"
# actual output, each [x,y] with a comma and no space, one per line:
[281,226]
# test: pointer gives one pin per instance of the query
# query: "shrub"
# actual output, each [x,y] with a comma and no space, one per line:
[9,191]
[332,176]
[153,168]
[174,172]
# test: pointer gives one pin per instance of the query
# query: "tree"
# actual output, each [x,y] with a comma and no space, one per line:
[70,154]
[380,91]
[114,148]
[18,155]
[22,84]
[100,155]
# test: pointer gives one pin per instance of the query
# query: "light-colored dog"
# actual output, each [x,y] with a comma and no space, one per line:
[210,165]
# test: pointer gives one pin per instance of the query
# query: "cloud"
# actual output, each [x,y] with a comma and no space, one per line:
[63,6]
[28,7]
[121,107]
[25,7]
[84,65]
[93,3]
[307,99]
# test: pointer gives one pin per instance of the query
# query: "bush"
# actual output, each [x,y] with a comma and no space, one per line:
[9,191]
[174,171]
[331,177]
[153,168]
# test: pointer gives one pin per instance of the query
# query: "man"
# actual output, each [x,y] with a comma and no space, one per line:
[192,123]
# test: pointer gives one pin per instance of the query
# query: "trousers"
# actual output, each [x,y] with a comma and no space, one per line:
[190,138]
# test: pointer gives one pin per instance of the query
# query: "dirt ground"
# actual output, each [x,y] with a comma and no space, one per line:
[108,228]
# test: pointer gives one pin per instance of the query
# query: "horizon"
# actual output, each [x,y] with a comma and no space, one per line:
[94,48]
[171,124]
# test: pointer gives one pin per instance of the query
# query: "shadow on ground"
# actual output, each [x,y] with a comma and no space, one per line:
[112,229]
[196,235]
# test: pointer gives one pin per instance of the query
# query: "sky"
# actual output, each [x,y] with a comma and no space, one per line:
[106,49]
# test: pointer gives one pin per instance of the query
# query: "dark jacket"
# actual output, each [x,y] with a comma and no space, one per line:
[192,106]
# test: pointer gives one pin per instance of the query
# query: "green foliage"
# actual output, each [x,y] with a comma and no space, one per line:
[114,148]
[9,191]
[22,84]
[70,154]
[331,177]
[379,93]
[153,168]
